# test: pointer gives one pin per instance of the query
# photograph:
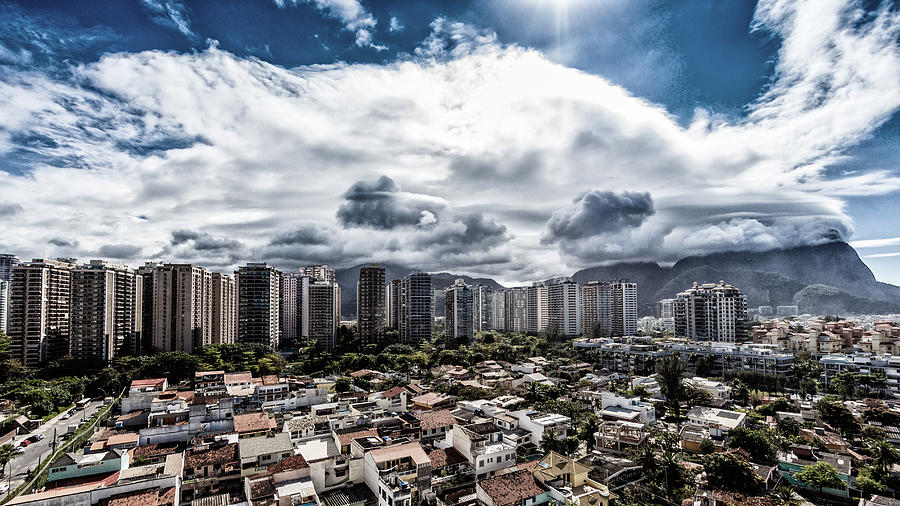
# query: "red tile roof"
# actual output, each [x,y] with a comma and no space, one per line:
[392,392]
[217,456]
[511,488]
[345,439]
[445,457]
[295,462]
[253,422]
[435,419]
[238,377]
[144,383]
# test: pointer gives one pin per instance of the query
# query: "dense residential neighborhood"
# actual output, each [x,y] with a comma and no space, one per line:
[552,393]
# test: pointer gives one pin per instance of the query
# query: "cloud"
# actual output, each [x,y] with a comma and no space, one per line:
[119,251]
[395,25]
[876,243]
[62,243]
[350,13]
[10,209]
[381,204]
[599,212]
[171,14]
[490,142]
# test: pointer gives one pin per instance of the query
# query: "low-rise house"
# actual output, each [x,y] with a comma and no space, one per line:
[693,436]
[271,392]
[627,409]
[284,484]
[615,472]
[307,427]
[620,437]
[568,481]
[392,400]
[394,472]
[719,391]
[540,423]
[329,468]
[211,468]
[257,453]
[435,424]
[141,394]
[79,465]
[434,400]
[519,488]
[483,447]
[209,382]
[718,421]
[447,462]
[254,424]
[792,462]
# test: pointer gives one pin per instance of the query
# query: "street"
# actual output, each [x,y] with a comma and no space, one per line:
[40,449]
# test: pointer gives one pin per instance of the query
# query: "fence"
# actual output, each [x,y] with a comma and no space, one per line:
[84,433]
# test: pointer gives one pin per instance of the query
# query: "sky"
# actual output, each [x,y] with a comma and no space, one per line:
[516,139]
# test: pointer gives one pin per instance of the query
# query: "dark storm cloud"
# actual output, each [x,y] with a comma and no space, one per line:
[122,251]
[62,243]
[305,234]
[464,233]
[598,212]
[8,209]
[203,241]
[381,204]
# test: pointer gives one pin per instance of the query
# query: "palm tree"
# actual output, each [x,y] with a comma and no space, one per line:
[7,453]
[884,455]
[786,496]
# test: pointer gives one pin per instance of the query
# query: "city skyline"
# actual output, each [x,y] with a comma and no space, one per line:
[503,139]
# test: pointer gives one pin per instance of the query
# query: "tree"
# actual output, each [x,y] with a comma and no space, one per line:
[787,497]
[590,427]
[787,426]
[707,446]
[884,455]
[342,385]
[838,416]
[7,453]
[760,443]
[730,471]
[844,383]
[820,475]
[740,392]
[696,396]
[806,372]
[669,372]
[867,483]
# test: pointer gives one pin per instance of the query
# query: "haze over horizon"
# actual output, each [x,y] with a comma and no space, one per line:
[513,140]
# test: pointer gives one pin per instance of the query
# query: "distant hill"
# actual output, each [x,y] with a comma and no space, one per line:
[825,279]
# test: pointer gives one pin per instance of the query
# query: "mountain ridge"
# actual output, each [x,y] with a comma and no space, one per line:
[824,279]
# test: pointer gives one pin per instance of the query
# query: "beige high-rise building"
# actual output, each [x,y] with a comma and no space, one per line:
[224,309]
[4,304]
[319,272]
[182,307]
[324,313]
[294,307]
[105,311]
[38,324]
[564,318]
[538,308]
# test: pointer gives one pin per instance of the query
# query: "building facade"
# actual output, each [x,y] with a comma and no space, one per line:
[324,313]
[39,310]
[538,308]
[370,304]
[106,301]
[224,309]
[711,312]
[563,302]
[416,308]
[459,314]
[483,304]
[294,306]
[258,301]
[182,319]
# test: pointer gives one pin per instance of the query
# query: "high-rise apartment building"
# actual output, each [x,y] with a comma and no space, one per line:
[145,346]
[665,308]
[294,306]
[392,297]
[563,301]
[416,308]
[319,272]
[459,314]
[370,304]
[624,308]
[538,308]
[515,307]
[712,312]
[105,302]
[182,315]
[7,262]
[38,322]
[483,304]
[324,313]
[4,304]
[609,308]
[257,301]
[223,308]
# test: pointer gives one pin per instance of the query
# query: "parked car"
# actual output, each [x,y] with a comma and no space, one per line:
[20,450]
[4,488]
[25,442]
[67,415]
[34,438]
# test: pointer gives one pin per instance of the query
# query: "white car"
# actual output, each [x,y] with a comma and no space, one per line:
[4,488]
[67,416]
[20,450]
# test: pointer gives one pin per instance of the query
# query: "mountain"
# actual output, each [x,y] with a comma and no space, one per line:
[347,279]
[824,279]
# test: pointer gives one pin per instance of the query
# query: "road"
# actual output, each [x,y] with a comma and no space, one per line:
[39,450]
